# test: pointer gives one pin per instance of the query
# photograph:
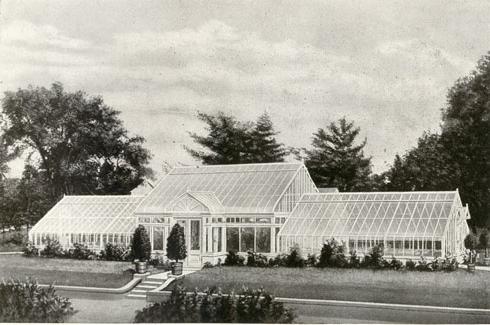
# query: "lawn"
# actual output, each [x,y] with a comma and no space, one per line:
[456,289]
[66,271]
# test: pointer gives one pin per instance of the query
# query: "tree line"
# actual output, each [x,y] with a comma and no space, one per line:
[76,144]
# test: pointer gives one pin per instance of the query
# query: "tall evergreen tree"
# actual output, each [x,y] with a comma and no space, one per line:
[336,160]
[230,141]
[265,147]
[225,143]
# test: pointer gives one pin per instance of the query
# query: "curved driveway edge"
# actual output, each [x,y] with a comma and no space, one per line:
[127,287]
[377,305]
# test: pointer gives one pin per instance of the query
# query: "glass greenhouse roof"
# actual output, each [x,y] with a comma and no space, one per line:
[373,215]
[251,188]
[91,214]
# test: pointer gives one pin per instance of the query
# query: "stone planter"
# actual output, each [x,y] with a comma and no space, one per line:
[471,267]
[177,268]
[141,267]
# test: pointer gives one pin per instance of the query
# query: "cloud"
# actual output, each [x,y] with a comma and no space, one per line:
[159,79]
[24,33]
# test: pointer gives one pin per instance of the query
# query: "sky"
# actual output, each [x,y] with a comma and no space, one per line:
[386,65]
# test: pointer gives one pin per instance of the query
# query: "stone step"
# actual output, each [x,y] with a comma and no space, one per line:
[139,291]
[147,286]
[152,282]
[136,296]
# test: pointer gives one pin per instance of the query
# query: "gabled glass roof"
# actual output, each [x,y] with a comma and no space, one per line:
[373,215]
[91,214]
[251,188]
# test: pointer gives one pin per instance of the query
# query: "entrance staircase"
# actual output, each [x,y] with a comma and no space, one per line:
[150,283]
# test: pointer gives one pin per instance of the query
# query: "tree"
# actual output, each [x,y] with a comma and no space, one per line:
[82,145]
[226,141]
[33,199]
[336,161]
[230,141]
[426,167]
[470,243]
[7,153]
[265,147]
[484,241]
[466,137]
[176,248]
[140,244]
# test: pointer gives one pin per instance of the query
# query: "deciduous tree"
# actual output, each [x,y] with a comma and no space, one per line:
[82,145]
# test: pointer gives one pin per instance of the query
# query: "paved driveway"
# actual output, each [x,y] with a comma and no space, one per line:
[102,308]
[116,308]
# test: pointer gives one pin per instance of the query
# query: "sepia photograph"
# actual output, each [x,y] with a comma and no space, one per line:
[245,161]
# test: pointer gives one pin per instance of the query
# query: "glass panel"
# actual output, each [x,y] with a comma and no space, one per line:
[157,239]
[247,242]
[263,240]
[216,239]
[196,235]
[232,239]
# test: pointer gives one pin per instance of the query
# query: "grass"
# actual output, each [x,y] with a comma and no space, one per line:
[9,240]
[66,271]
[456,289]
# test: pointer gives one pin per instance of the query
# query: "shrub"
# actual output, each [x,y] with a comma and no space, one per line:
[250,306]
[395,264]
[16,239]
[140,244]
[279,260]
[80,252]
[207,265]
[176,248]
[484,241]
[422,265]
[256,259]
[114,252]
[52,249]
[410,265]
[449,264]
[374,259]
[30,250]
[294,259]
[234,259]
[27,302]
[332,254]
[311,260]
[354,260]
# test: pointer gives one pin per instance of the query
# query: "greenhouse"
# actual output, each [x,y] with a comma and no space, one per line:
[407,224]
[89,219]
[266,208]
[222,208]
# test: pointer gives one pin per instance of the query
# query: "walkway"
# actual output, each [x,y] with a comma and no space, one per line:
[152,282]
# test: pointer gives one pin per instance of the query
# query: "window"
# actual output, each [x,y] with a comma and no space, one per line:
[232,239]
[157,239]
[438,245]
[247,239]
[278,242]
[195,234]
[263,220]
[216,239]
[263,240]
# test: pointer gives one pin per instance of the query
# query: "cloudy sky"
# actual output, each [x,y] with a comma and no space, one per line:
[386,65]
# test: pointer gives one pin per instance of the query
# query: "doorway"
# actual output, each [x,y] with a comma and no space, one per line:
[193,240]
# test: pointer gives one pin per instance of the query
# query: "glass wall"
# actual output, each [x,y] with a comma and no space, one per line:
[233,239]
